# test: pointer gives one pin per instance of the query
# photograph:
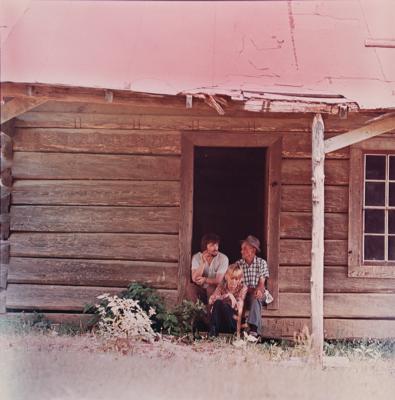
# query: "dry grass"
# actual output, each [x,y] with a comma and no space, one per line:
[59,367]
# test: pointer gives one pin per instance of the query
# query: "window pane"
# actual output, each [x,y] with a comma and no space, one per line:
[374,247]
[375,167]
[392,168]
[391,221]
[391,201]
[374,194]
[374,221]
[391,248]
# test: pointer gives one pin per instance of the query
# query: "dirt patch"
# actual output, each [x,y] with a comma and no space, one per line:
[37,366]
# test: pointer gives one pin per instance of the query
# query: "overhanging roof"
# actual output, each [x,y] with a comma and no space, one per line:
[313,49]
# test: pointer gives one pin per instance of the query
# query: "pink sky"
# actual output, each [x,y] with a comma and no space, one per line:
[169,47]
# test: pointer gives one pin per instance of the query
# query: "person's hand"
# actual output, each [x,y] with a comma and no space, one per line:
[207,257]
[233,300]
[259,294]
[200,280]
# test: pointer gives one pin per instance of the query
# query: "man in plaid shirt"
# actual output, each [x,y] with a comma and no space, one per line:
[255,273]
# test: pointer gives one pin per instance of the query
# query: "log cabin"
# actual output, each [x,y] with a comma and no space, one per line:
[103,185]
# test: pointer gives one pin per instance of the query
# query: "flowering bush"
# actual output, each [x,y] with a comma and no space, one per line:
[124,318]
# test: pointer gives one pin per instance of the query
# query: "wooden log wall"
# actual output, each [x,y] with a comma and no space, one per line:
[6,133]
[95,205]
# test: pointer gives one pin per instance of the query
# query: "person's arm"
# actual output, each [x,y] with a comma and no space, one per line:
[217,295]
[260,289]
[197,273]
[220,273]
[240,305]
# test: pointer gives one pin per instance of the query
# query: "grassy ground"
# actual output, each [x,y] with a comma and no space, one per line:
[42,364]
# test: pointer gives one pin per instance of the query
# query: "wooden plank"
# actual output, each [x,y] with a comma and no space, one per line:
[298,145]
[95,219]
[80,272]
[17,106]
[296,225]
[297,280]
[69,319]
[337,305]
[3,300]
[297,198]
[272,217]
[4,251]
[62,298]
[372,128]
[297,252]
[162,122]
[94,166]
[298,172]
[382,43]
[333,328]
[129,246]
[97,141]
[114,193]
[186,214]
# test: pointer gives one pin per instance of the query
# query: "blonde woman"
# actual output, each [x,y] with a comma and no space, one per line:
[226,303]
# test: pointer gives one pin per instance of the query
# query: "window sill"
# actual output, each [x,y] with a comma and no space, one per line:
[371,271]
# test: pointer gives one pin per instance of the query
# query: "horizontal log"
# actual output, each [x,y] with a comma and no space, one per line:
[298,172]
[295,145]
[82,272]
[298,252]
[337,305]
[298,198]
[333,328]
[298,225]
[115,193]
[95,219]
[336,280]
[273,327]
[63,298]
[94,166]
[89,117]
[165,122]
[77,320]
[129,246]
[97,141]
[298,145]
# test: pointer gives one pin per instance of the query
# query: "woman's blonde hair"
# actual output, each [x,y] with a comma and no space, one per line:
[234,270]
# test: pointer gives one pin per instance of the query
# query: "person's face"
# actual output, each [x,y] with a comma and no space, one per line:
[212,249]
[232,281]
[247,251]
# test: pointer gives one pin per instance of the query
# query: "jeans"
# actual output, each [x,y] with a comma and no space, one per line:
[222,319]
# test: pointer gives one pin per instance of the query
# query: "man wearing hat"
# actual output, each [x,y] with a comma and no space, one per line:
[255,271]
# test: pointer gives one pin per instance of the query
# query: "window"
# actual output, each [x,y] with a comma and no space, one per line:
[379,208]
[371,242]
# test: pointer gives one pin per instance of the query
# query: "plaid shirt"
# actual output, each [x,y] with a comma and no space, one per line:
[253,272]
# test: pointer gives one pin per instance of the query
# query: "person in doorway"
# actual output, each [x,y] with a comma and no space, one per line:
[208,269]
[226,303]
[255,272]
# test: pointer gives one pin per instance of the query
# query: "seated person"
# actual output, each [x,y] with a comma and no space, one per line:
[227,303]
[208,269]
[255,272]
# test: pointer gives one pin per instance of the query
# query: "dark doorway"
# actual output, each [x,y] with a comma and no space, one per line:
[229,196]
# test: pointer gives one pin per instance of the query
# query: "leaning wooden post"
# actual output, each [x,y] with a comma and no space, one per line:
[317,242]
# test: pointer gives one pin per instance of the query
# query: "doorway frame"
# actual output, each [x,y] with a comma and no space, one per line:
[272,194]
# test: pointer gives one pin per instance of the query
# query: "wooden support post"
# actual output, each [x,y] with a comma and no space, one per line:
[317,243]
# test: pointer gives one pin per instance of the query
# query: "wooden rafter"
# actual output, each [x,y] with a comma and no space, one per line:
[18,106]
[372,128]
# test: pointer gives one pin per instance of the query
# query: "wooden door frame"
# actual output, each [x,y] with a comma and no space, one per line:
[273,144]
